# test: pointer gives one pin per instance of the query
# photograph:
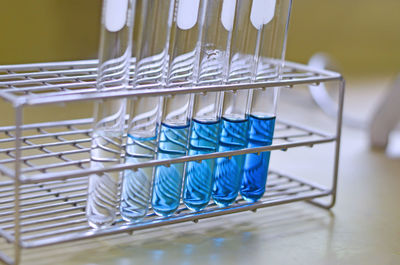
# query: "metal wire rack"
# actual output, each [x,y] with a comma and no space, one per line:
[44,166]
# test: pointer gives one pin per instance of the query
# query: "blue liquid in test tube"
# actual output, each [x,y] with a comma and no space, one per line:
[206,119]
[261,130]
[182,71]
[228,171]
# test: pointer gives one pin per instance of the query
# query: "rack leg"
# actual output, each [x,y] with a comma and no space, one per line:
[18,123]
[339,120]
[326,206]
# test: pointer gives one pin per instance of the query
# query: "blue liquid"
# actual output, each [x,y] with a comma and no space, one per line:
[168,180]
[256,166]
[136,186]
[199,176]
[228,172]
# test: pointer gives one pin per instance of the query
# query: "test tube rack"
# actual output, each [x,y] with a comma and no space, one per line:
[44,167]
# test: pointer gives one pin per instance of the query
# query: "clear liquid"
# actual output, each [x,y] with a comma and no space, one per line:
[103,191]
[228,172]
[168,180]
[136,186]
[256,166]
[199,176]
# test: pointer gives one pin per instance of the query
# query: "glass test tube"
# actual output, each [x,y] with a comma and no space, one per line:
[205,126]
[261,131]
[234,126]
[152,23]
[264,101]
[273,39]
[183,57]
[109,116]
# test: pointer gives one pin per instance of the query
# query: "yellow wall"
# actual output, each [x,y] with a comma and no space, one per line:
[363,35]
[48,30]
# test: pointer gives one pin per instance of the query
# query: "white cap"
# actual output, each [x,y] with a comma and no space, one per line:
[262,12]
[228,14]
[115,14]
[188,11]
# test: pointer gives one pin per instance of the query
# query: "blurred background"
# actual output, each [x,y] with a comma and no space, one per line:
[362,35]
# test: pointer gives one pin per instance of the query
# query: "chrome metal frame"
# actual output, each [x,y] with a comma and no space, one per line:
[37,194]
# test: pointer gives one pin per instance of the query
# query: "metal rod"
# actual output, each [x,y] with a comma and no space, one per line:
[152,163]
[306,128]
[44,188]
[10,238]
[17,235]
[52,166]
[55,154]
[7,185]
[170,220]
[6,171]
[54,193]
[303,181]
[66,123]
[293,74]
[50,65]
[58,232]
[38,136]
[40,214]
[59,224]
[6,259]
[49,79]
[339,121]
[60,198]
[24,210]
[51,144]
[46,220]
[165,92]
[342,86]
[47,73]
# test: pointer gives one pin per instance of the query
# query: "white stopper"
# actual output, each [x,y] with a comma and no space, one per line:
[228,14]
[115,14]
[262,12]
[188,11]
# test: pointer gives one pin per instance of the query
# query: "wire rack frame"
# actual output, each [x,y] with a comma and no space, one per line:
[34,196]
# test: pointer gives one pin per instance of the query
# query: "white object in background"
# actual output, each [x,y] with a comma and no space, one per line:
[386,117]
[321,96]
[115,14]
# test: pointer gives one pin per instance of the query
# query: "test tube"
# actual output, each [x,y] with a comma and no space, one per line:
[234,127]
[261,130]
[173,137]
[205,126]
[273,39]
[109,115]
[152,25]
[264,102]
[245,42]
